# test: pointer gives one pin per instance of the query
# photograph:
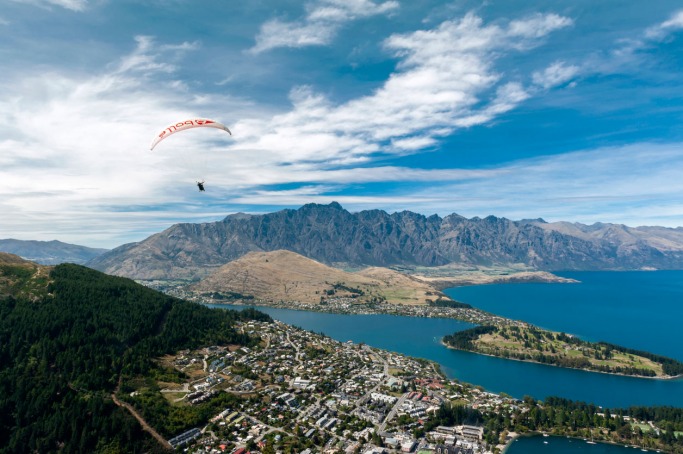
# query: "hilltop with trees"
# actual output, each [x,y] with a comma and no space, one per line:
[69,335]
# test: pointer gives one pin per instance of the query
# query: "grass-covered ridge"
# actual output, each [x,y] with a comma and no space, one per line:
[21,278]
[529,343]
[61,357]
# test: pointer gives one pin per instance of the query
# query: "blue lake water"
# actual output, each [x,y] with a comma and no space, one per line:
[636,309]
[638,317]
[562,445]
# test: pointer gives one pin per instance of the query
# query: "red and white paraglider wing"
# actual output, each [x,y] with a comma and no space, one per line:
[188,124]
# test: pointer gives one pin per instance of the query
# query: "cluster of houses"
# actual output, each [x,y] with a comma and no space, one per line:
[332,397]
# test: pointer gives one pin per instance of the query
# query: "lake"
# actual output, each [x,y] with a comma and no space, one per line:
[634,320]
[563,445]
[635,309]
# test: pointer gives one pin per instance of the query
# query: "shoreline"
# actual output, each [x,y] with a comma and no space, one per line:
[304,308]
[479,278]
[517,436]
[668,377]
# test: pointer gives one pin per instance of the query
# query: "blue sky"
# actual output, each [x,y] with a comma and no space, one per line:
[565,110]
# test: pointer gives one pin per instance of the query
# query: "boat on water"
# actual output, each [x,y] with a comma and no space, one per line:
[591,432]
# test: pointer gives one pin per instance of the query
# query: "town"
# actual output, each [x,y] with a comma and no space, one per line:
[303,392]
[347,305]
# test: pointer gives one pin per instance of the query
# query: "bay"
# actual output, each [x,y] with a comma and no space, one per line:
[640,310]
[636,309]
[420,337]
[562,445]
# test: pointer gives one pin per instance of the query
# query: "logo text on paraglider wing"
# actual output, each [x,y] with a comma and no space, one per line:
[183,125]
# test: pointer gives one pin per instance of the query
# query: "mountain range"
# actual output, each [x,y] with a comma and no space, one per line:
[50,252]
[334,236]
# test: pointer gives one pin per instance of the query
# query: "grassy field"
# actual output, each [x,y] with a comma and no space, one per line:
[529,343]
[174,398]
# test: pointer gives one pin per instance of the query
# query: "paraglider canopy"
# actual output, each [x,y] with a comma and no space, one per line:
[188,124]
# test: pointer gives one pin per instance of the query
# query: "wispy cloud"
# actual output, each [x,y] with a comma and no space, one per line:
[85,137]
[323,20]
[537,25]
[149,57]
[661,30]
[628,55]
[640,184]
[74,5]
[445,80]
[74,147]
[554,75]
[628,50]
[635,184]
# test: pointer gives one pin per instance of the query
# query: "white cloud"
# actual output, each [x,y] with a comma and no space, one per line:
[558,73]
[308,173]
[661,30]
[74,5]
[323,20]
[445,80]
[76,152]
[74,149]
[538,25]
[347,10]
[276,33]
[149,57]
[629,49]
[635,185]
[640,184]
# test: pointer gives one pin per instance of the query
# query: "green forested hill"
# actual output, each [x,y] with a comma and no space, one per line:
[61,356]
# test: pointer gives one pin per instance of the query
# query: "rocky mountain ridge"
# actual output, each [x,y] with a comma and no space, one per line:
[332,235]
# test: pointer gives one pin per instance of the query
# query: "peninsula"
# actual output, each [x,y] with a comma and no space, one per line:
[288,280]
[143,372]
[529,343]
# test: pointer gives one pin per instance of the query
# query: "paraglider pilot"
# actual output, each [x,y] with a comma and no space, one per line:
[200,185]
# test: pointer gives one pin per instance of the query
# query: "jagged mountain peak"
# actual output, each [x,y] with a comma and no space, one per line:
[331,235]
[238,216]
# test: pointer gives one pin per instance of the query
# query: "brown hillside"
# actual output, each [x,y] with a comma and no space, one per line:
[287,276]
[21,278]
[11,259]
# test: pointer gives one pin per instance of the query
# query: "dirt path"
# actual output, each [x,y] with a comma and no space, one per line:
[146,427]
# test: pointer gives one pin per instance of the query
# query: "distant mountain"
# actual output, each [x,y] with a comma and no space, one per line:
[332,235]
[50,252]
[287,276]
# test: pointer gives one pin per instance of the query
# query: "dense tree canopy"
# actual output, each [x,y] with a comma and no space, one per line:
[61,357]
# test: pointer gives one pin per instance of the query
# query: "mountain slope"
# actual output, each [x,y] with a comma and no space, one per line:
[331,235]
[50,252]
[63,353]
[20,278]
[287,276]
